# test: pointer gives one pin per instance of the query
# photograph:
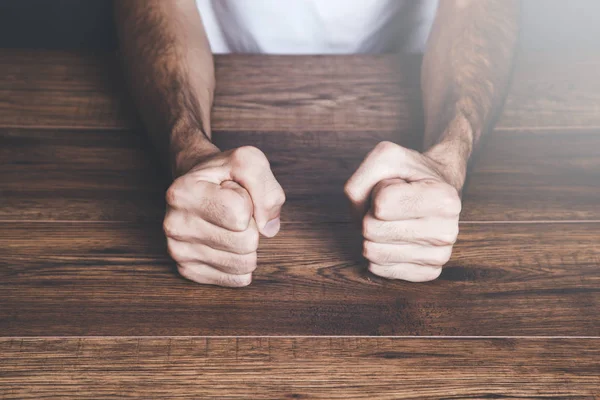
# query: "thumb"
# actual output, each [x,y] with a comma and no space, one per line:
[386,161]
[250,168]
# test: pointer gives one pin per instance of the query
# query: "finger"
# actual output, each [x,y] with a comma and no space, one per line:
[227,205]
[395,199]
[387,160]
[230,263]
[238,205]
[251,169]
[208,275]
[425,231]
[406,272]
[186,227]
[390,254]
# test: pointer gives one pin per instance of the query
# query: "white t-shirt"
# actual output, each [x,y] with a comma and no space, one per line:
[316,26]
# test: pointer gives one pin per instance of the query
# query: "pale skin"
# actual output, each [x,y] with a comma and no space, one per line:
[221,202]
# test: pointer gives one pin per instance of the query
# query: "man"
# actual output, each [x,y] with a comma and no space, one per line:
[220,202]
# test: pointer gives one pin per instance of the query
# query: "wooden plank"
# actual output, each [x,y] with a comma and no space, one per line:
[86,176]
[63,89]
[305,368]
[116,279]
[274,93]
[114,175]
[266,93]
[535,175]
[553,91]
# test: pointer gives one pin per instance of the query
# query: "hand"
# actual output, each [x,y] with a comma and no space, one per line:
[412,222]
[215,213]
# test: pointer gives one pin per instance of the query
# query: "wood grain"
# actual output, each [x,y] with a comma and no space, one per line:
[114,175]
[535,175]
[299,368]
[116,279]
[73,90]
[82,252]
[63,89]
[553,91]
[274,93]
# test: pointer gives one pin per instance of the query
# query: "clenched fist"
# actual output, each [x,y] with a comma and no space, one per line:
[215,213]
[409,210]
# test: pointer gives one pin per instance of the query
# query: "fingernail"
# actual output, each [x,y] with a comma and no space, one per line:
[272,227]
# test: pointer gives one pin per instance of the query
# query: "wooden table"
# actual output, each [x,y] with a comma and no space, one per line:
[91,305]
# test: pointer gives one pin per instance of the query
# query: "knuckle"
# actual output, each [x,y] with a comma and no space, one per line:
[442,256]
[174,249]
[279,198]
[229,280]
[447,254]
[374,253]
[385,147]
[250,155]
[351,193]
[247,263]
[372,229]
[275,199]
[384,272]
[185,271]
[249,241]
[446,236]
[373,269]
[431,274]
[171,227]
[254,238]
[382,202]
[368,249]
[455,232]
[383,257]
[367,228]
[174,192]
[239,223]
[424,274]
[414,274]
[391,151]
[452,235]
[444,239]
[450,201]
[242,264]
[238,208]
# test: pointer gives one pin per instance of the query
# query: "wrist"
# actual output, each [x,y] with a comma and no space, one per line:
[188,149]
[451,154]
[450,164]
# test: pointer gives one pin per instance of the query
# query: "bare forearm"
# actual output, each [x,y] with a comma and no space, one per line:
[169,66]
[466,71]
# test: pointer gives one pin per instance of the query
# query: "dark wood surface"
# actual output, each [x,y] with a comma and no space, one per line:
[115,279]
[82,253]
[550,92]
[112,175]
[300,368]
